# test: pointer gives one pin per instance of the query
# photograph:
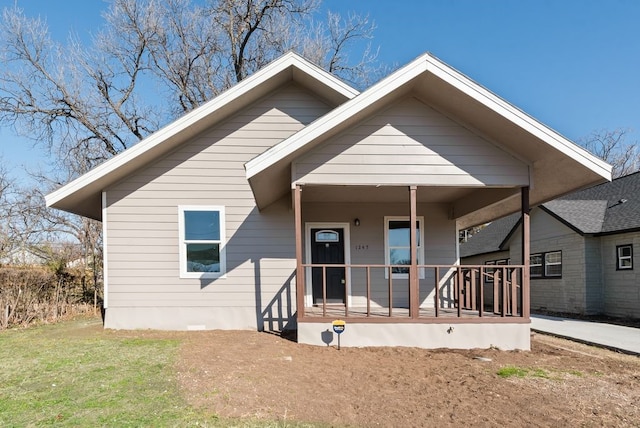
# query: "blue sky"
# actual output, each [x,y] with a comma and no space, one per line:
[572,64]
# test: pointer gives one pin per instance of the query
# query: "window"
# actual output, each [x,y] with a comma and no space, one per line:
[202,242]
[327,236]
[625,257]
[553,264]
[398,247]
[546,265]
[535,265]
[489,272]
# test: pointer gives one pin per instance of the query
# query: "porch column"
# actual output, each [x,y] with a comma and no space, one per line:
[297,212]
[414,299]
[526,253]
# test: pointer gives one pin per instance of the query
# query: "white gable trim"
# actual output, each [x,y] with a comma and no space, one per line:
[430,64]
[517,116]
[184,127]
[334,118]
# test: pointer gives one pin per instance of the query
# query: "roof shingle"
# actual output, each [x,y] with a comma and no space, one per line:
[612,207]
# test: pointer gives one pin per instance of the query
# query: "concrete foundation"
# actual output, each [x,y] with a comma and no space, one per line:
[199,318]
[429,336]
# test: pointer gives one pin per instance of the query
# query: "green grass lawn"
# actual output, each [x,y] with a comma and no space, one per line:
[57,375]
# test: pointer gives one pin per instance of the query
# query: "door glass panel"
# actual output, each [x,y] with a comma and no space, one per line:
[327,236]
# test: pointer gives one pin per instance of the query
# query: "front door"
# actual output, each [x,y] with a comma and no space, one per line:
[327,247]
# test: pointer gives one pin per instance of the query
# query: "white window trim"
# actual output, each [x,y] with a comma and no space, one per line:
[541,264]
[547,264]
[620,257]
[183,247]
[420,248]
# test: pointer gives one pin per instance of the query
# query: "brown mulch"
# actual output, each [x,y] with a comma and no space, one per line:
[260,375]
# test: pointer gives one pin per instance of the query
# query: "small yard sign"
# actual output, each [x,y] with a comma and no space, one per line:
[338,328]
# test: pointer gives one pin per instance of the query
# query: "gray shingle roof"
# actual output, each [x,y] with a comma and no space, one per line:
[608,208]
[488,239]
[614,205]
[585,215]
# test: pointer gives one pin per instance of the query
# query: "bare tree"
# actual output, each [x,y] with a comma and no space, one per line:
[7,240]
[614,147]
[88,103]
[151,61]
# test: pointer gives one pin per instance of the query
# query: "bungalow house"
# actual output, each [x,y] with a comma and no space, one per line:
[582,250]
[292,200]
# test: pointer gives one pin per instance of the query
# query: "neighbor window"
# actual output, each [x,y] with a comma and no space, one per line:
[535,265]
[553,264]
[625,257]
[398,247]
[202,241]
[546,265]
[489,272]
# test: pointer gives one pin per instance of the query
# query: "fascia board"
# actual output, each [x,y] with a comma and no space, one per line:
[335,118]
[322,76]
[201,113]
[518,117]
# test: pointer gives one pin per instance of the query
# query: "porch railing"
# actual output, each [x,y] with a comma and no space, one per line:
[382,291]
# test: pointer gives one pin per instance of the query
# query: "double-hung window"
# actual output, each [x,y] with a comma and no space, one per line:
[535,265]
[397,233]
[202,241]
[624,257]
[546,265]
[553,264]
[489,271]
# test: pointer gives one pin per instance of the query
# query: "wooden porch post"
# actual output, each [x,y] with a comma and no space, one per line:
[526,253]
[297,211]
[414,299]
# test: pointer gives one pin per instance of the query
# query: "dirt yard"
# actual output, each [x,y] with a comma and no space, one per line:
[558,383]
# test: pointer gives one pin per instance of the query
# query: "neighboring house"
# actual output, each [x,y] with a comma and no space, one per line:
[584,250]
[292,200]
[22,256]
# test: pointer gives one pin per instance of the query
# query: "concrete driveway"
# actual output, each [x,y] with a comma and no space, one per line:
[623,339]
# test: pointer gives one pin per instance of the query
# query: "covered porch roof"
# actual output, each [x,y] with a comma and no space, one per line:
[556,165]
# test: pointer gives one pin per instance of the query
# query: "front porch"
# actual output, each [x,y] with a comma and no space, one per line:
[408,304]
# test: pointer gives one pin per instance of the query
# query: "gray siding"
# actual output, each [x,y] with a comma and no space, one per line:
[142,228]
[566,294]
[410,143]
[483,258]
[593,275]
[621,287]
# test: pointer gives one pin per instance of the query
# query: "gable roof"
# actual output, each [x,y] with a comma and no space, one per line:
[491,238]
[426,78]
[584,216]
[607,208]
[604,209]
[457,96]
[83,195]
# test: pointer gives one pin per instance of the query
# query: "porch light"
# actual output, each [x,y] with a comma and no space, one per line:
[356,222]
